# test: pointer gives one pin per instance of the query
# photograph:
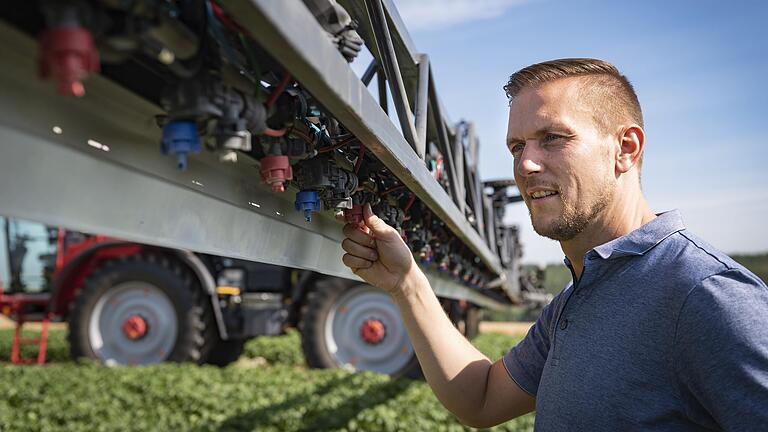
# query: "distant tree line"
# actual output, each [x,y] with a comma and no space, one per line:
[757,264]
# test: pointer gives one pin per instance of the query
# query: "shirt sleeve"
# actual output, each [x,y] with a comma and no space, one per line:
[525,362]
[721,356]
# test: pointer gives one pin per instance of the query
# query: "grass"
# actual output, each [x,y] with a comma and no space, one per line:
[57,352]
[269,389]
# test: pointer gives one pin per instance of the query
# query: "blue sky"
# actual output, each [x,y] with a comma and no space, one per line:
[699,68]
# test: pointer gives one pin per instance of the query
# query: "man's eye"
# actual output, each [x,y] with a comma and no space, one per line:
[516,149]
[551,137]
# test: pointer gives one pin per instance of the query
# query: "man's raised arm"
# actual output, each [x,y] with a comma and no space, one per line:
[480,393]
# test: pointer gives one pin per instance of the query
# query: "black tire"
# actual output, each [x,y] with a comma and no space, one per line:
[316,310]
[193,315]
[225,352]
[472,317]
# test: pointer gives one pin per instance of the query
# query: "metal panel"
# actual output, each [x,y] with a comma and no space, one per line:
[449,289]
[289,33]
[123,202]
[59,185]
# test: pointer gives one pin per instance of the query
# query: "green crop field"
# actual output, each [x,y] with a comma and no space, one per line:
[269,389]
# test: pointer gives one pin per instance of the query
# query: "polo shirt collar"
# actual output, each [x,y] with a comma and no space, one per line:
[643,239]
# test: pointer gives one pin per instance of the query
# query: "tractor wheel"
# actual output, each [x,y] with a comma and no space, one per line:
[224,352]
[356,327]
[143,309]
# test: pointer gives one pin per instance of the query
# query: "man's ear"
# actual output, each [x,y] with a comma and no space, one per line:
[631,144]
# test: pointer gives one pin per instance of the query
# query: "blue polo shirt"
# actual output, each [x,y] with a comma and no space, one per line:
[662,332]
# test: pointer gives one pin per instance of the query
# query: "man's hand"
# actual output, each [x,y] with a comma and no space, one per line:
[377,253]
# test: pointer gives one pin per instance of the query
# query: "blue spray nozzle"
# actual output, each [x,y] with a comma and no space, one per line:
[307,202]
[180,138]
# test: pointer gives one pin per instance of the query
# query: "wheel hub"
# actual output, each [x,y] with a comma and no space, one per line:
[135,327]
[373,331]
[364,331]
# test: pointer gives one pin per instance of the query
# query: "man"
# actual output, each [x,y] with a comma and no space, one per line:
[658,331]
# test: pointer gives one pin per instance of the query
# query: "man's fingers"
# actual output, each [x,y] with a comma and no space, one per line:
[354,262]
[359,250]
[378,227]
[354,233]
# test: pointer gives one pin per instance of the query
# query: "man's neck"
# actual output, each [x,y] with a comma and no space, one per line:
[618,219]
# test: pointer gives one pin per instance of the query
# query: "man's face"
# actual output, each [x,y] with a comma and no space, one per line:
[564,166]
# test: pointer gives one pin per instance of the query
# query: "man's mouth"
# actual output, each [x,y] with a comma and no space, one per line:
[542,194]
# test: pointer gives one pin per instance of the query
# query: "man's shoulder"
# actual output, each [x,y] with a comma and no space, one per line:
[697,270]
[695,257]
[719,329]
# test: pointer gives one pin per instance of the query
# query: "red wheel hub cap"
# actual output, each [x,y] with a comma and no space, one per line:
[135,327]
[372,331]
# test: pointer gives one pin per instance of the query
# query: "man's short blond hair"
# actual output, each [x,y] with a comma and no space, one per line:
[608,92]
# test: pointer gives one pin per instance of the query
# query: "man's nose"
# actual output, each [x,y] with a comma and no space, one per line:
[530,161]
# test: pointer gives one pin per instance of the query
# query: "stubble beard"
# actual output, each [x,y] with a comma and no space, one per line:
[574,220]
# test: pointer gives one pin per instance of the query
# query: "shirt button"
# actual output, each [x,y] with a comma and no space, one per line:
[563,324]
